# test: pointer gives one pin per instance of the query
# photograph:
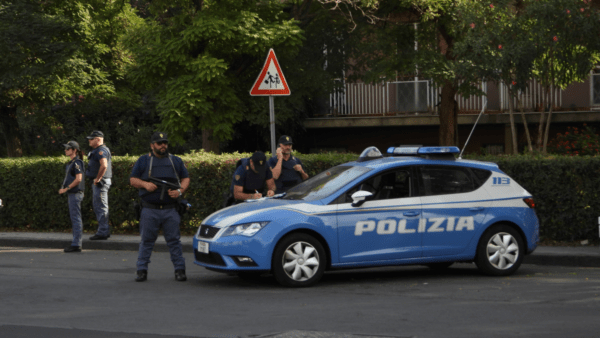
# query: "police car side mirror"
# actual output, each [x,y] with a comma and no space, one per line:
[359,197]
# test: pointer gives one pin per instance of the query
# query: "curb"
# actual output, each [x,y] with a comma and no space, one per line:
[588,256]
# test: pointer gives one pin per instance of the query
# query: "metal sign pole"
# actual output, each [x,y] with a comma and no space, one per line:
[272,118]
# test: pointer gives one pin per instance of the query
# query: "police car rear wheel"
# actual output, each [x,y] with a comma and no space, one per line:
[299,261]
[500,251]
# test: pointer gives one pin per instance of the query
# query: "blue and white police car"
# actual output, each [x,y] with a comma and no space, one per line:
[418,205]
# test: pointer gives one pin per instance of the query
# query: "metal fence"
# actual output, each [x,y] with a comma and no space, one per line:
[531,99]
[420,96]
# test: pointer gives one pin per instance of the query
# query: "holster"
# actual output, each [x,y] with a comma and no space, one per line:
[182,207]
[137,209]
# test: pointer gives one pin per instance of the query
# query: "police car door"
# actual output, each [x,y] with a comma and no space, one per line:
[383,228]
[454,206]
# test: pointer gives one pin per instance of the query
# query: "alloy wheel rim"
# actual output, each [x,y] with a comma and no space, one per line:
[502,251]
[301,261]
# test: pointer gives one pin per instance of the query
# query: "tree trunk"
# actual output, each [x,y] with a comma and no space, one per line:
[513,129]
[529,145]
[447,116]
[539,142]
[549,120]
[208,144]
[11,131]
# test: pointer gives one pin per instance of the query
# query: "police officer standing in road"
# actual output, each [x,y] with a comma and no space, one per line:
[250,177]
[287,169]
[74,185]
[100,172]
[159,212]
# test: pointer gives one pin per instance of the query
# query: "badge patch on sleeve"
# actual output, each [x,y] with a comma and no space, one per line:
[237,177]
[101,152]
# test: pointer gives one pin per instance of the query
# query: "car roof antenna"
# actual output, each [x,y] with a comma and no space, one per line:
[472,130]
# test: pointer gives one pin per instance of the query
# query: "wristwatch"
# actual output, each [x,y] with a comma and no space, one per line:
[179,192]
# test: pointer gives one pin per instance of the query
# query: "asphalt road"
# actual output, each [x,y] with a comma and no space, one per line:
[47,293]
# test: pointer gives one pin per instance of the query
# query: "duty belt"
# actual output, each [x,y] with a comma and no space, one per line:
[158,206]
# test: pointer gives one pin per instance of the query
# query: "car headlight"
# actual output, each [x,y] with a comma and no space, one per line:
[246,229]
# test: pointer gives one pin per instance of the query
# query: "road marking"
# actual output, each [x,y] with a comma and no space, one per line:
[9,249]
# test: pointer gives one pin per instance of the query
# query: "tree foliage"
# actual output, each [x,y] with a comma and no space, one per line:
[193,56]
[57,50]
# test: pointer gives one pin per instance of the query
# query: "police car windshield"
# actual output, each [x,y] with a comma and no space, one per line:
[325,183]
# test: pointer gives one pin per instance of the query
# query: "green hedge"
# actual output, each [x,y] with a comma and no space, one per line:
[29,190]
[565,191]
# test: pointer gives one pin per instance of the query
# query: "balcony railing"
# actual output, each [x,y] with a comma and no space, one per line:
[404,97]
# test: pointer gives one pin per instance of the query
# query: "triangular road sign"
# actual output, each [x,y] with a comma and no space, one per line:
[271,81]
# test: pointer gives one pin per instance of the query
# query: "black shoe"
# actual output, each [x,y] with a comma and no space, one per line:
[73,249]
[180,275]
[98,237]
[142,275]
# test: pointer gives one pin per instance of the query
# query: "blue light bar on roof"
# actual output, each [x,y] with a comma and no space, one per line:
[422,150]
[439,150]
[403,150]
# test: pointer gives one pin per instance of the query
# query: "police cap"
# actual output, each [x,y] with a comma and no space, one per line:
[159,137]
[71,145]
[284,139]
[94,134]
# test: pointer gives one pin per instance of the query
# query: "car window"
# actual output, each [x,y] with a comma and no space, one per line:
[482,175]
[325,183]
[387,185]
[442,180]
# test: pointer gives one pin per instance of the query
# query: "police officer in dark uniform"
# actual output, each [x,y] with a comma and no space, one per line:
[287,169]
[250,177]
[99,171]
[159,213]
[74,185]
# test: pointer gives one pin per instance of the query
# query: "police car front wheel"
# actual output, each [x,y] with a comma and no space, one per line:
[500,251]
[299,260]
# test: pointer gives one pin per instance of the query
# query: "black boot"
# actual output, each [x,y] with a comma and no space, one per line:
[142,275]
[180,275]
[73,249]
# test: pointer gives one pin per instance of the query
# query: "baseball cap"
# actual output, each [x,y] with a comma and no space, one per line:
[260,161]
[158,137]
[284,139]
[71,144]
[94,134]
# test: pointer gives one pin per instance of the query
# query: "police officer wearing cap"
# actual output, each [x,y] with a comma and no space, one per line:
[99,171]
[159,213]
[250,177]
[287,169]
[74,185]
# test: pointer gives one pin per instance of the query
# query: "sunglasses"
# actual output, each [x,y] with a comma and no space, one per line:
[162,142]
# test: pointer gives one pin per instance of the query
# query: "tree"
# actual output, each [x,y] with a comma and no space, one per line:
[54,51]
[392,39]
[512,42]
[498,47]
[192,55]
[565,33]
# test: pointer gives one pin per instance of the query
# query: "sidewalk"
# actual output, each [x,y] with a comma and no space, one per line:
[582,256]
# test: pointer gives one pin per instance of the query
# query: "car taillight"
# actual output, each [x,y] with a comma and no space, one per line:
[529,202]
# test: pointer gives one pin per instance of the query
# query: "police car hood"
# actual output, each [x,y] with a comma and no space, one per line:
[236,214]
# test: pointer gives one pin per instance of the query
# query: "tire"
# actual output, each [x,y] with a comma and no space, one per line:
[299,260]
[500,251]
[440,266]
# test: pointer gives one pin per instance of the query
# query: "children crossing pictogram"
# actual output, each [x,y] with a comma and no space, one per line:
[270,81]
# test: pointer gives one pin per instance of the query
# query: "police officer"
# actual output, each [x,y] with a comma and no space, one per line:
[159,213]
[99,171]
[250,177]
[74,185]
[287,169]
